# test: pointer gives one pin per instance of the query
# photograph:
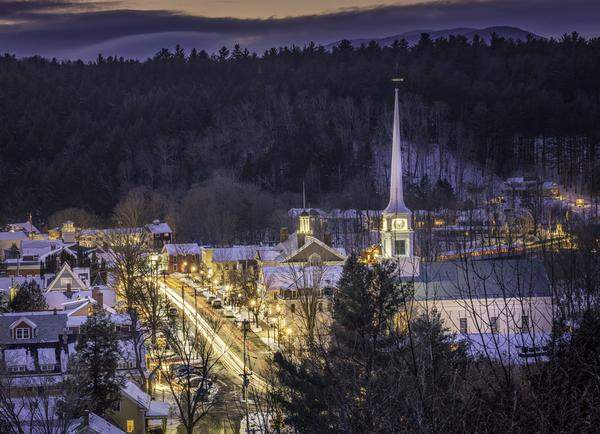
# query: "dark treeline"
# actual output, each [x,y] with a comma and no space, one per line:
[83,134]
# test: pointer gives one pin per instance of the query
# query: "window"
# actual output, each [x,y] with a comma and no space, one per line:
[293,308]
[494,324]
[65,281]
[400,246]
[130,425]
[23,333]
[46,367]
[17,368]
[315,259]
[463,325]
[125,364]
[524,323]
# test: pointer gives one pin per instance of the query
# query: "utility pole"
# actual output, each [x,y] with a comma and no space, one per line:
[246,374]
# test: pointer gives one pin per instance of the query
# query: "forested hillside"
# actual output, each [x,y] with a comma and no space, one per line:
[83,135]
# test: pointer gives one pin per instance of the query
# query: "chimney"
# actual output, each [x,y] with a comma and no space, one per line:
[327,238]
[284,234]
[98,296]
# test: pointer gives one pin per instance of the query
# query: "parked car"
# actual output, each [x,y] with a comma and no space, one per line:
[217,303]
[173,311]
[185,370]
[228,313]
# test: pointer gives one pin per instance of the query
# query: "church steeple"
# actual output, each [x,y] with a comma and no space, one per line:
[396,203]
[396,228]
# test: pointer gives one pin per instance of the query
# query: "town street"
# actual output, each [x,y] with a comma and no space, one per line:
[227,339]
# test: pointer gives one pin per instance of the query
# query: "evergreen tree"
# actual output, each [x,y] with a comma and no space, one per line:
[28,298]
[378,374]
[94,369]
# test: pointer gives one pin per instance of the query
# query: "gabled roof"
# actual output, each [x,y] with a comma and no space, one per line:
[66,271]
[310,241]
[26,226]
[137,395]
[97,425]
[181,249]
[25,320]
[289,276]
[157,227]
[49,326]
[489,278]
[235,253]
[13,236]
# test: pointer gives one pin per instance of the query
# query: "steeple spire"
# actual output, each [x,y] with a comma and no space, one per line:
[396,204]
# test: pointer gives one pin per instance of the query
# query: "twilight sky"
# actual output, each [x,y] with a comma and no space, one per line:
[139,28]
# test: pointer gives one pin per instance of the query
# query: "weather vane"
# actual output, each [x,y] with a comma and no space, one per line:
[397,79]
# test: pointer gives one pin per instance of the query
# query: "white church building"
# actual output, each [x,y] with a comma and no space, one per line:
[502,306]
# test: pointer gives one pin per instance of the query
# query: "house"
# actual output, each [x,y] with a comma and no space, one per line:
[94,424]
[34,256]
[26,227]
[136,412]
[10,239]
[183,258]
[70,279]
[226,264]
[34,343]
[160,233]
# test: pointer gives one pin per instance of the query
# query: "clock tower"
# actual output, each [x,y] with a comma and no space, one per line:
[396,229]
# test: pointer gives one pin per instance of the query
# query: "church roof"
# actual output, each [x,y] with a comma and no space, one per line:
[484,278]
[396,204]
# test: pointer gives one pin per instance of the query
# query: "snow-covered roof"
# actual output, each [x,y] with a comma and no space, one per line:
[489,278]
[46,355]
[271,254]
[157,227]
[158,409]
[49,326]
[15,357]
[133,392]
[182,249]
[297,277]
[102,426]
[58,299]
[295,212]
[9,282]
[26,226]
[235,253]
[518,348]
[13,236]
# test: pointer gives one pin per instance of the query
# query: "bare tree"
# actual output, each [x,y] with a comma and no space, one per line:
[193,388]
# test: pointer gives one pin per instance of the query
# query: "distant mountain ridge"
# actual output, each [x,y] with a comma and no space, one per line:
[412,37]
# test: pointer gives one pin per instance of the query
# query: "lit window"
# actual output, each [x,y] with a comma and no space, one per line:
[23,333]
[130,425]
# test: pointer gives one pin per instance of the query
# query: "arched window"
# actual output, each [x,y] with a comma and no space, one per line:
[315,259]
